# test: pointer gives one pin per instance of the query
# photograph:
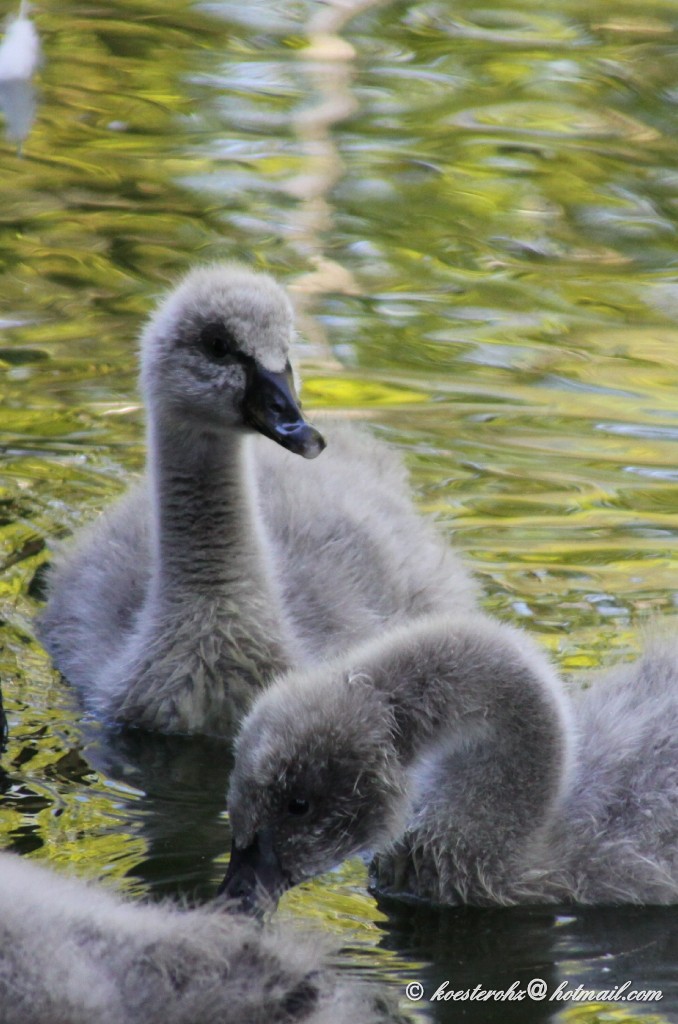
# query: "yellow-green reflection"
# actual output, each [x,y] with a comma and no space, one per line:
[605,1013]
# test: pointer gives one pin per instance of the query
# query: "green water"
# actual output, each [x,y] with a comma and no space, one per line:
[476,208]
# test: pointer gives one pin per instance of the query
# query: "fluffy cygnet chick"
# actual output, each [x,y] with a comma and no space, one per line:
[450,749]
[72,953]
[235,560]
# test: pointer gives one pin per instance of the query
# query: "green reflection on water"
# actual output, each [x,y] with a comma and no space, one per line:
[475,208]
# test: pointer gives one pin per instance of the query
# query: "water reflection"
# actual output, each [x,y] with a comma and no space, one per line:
[19,59]
[181,816]
[599,948]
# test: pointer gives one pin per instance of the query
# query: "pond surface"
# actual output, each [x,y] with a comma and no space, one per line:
[476,208]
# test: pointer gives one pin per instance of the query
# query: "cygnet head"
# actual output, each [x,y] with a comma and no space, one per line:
[215,355]
[316,780]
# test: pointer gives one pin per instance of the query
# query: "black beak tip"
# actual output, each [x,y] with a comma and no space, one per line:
[254,880]
[271,406]
[313,444]
[300,438]
[241,898]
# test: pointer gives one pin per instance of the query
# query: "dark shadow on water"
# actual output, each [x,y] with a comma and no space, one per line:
[181,816]
[170,791]
[3,726]
[600,948]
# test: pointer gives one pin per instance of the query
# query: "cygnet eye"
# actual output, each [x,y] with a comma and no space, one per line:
[298,807]
[218,343]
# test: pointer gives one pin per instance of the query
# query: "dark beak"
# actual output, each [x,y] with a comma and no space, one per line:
[272,407]
[254,878]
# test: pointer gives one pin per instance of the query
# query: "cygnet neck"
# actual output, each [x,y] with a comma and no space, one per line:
[209,541]
[201,508]
[480,727]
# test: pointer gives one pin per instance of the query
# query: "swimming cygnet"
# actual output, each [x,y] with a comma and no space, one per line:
[234,560]
[72,953]
[451,750]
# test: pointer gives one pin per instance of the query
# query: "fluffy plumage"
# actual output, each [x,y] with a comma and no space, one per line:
[72,953]
[451,749]
[234,559]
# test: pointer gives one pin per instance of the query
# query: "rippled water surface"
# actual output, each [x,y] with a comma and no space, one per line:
[476,208]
